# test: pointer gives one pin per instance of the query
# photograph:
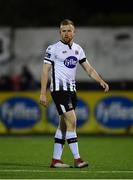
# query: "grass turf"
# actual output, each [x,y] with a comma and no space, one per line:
[29,158]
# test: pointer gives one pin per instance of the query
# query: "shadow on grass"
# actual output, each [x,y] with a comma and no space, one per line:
[14,164]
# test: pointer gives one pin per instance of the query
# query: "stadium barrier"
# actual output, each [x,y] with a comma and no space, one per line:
[97,113]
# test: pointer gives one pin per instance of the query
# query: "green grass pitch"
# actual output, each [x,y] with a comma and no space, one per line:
[29,158]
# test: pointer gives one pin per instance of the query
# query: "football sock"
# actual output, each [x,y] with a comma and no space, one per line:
[71,137]
[58,145]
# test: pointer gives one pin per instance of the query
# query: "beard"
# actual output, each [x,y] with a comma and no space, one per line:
[67,40]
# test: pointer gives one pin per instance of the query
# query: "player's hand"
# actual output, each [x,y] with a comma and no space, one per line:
[105,86]
[43,100]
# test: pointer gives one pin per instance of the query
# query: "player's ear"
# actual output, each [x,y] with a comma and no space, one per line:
[74,30]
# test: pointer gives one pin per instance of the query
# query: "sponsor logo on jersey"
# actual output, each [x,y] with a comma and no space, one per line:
[115,112]
[82,112]
[70,62]
[64,52]
[20,112]
[48,55]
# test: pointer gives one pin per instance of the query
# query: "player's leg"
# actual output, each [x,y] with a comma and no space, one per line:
[59,145]
[59,139]
[65,103]
[71,136]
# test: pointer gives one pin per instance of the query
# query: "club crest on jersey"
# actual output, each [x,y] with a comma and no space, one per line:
[76,52]
[70,61]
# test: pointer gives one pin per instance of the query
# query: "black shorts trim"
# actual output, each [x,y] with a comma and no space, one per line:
[64,100]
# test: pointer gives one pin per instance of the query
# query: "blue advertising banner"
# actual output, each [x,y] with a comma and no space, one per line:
[97,113]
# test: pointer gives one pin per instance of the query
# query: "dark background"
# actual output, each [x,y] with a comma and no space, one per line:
[49,13]
[40,13]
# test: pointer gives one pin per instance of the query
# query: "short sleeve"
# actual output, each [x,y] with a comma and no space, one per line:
[82,56]
[49,55]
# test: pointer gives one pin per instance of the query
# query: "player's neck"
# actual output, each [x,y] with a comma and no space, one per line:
[67,43]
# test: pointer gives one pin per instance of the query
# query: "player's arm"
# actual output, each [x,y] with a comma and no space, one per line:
[93,74]
[44,81]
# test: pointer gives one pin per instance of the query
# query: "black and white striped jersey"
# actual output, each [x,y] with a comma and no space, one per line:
[64,59]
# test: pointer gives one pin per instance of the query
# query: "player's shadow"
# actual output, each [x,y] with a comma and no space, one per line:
[13,164]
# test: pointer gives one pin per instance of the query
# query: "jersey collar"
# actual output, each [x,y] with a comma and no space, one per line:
[69,45]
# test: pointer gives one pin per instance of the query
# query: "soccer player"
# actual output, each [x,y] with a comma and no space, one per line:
[62,59]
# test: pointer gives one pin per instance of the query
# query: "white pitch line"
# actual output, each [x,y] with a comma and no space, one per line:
[114,171]
[62,171]
[38,171]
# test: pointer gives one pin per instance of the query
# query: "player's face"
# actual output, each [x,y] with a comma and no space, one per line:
[67,33]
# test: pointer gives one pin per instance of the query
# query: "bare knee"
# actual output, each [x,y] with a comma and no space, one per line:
[72,126]
[70,119]
[62,124]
